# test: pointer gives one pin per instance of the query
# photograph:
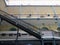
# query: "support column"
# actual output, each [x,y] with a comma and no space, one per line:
[54,42]
[17,36]
[42,41]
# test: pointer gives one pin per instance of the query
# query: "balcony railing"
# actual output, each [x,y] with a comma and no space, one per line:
[50,34]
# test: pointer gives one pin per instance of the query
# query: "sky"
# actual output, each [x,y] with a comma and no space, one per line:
[32,2]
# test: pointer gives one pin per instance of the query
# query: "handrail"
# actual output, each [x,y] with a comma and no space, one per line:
[20,24]
[26,22]
[20,20]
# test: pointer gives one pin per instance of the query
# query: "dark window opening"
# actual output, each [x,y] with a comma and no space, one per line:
[19,34]
[48,14]
[24,34]
[3,34]
[10,34]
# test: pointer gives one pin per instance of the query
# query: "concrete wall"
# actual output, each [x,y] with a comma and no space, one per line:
[32,10]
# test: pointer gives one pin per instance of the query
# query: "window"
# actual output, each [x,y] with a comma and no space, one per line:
[31,2]
[12,2]
[3,34]
[10,34]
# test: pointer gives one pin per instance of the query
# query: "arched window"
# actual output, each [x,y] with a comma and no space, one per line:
[58,28]
[12,29]
[44,28]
